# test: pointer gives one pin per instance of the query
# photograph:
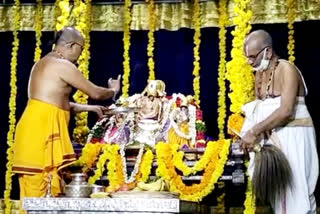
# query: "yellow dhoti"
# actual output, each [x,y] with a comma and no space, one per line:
[42,147]
[175,138]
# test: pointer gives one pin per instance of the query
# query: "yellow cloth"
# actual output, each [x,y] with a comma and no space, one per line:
[42,141]
[174,138]
[36,185]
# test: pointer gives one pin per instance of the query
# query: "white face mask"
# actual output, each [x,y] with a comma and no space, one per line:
[264,63]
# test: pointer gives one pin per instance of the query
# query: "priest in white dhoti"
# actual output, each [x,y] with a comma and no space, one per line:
[279,116]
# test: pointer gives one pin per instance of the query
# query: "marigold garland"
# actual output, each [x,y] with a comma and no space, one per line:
[291,19]
[150,47]
[212,172]
[221,202]
[12,106]
[145,166]
[100,166]
[235,122]
[110,153]
[115,175]
[38,28]
[196,55]
[89,154]
[249,204]
[82,13]
[223,21]
[62,19]
[239,72]
[126,47]
[199,165]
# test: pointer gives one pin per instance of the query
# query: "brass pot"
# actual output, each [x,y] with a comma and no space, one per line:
[97,188]
[78,179]
[77,191]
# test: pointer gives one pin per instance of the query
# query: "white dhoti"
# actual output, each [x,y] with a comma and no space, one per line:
[297,140]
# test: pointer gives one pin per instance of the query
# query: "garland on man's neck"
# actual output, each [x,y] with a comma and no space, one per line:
[126,47]
[150,48]
[196,55]
[223,20]
[291,18]
[82,13]
[38,28]
[12,105]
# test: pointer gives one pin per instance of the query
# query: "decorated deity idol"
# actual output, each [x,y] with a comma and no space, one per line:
[182,123]
[151,117]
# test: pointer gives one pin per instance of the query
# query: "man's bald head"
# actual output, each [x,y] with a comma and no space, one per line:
[68,35]
[258,39]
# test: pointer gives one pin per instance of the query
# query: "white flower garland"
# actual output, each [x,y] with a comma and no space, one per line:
[136,165]
[192,124]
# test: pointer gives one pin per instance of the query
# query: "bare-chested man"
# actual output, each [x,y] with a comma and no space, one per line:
[42,144]
[279,116]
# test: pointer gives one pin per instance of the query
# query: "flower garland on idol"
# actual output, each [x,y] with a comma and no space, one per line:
[117,171]
[82,13]
[212,172]
[12,105]
[291,17]
[38,28]
[150,47]
[126,47]
[196,55]
[223,20]
[177,158]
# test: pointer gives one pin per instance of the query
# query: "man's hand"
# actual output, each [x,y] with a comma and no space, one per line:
[248,141]
[97,109]
[114,84]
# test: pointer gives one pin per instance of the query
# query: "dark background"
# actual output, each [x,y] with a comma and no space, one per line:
[173,64]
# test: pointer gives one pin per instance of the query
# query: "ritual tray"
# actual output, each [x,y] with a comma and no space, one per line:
[118,110]
[144,194]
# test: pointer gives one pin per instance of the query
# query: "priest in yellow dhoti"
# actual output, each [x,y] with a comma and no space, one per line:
[42,144]
[42,147]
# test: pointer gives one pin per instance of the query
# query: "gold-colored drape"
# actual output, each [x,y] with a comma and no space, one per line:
[170,16]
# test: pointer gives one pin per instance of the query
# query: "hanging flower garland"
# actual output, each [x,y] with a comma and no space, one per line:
[56,11]
[220,199]
[249,204]
[12,105]
[212,172]
[239,72]
[62,19]
[126,47]
[115,176]
[199,165]
[100,166]
[223,20]
[89,155]
[82,13]
[235,123]
[291,18]
[38,28]
[150,48]
[116,173]
[196,55]
[145,166]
